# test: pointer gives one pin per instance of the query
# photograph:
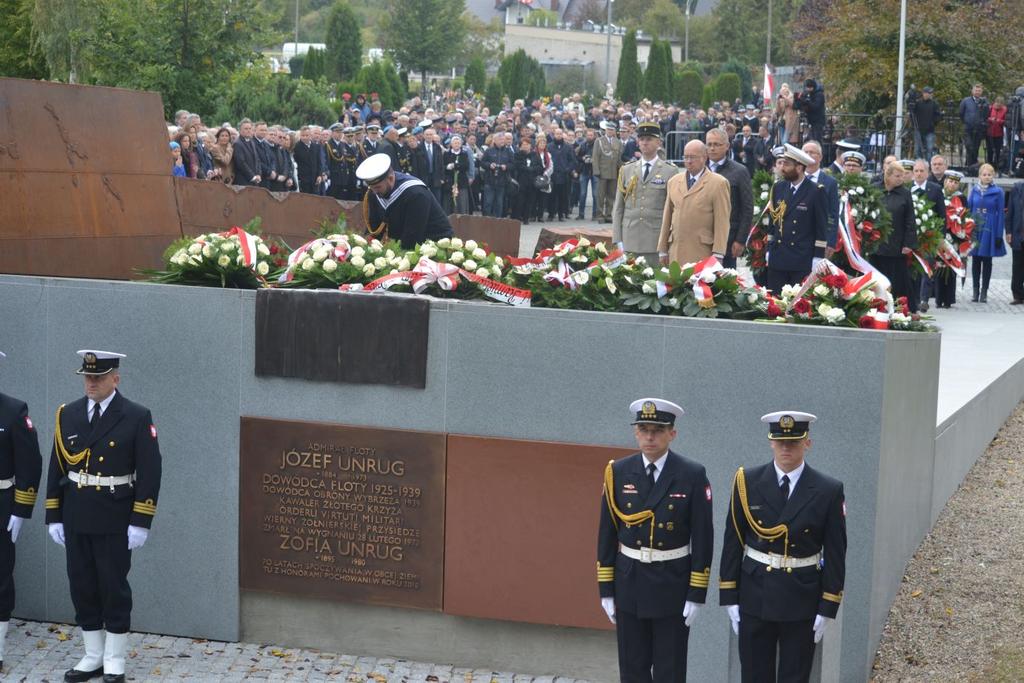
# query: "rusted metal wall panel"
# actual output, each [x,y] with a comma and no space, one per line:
[521,530]
[501,235]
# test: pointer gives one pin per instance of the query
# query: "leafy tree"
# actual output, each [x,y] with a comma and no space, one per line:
[169,46]
[484,41]
[949,46]
[627,84]
[742,30]
[313,68]
[423,35]
[522,76]
[689,87]
[20,56]
[65,31]
[399,89]
[344,43]
[743,72]
[258,94]
[664,20]
[595,11]
[476,75]
[493,96]
[727,87]
[693,65]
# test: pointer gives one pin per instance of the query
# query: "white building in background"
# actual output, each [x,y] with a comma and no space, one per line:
[289,50]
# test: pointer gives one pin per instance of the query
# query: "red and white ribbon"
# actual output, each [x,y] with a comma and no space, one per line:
[948,254]
[561,275]
[544,257]
[428,272]
[248,244]
[704,274]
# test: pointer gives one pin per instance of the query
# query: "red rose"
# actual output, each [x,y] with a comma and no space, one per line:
[901,303]
[773,309]
[866,322]
[836,281]
[802,306]
[868,225]
[878,304]
[274,249]
[757,244]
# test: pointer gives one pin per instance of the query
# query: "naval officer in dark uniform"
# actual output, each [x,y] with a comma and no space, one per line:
[798,230]
[654,548]
[784,556]
[101,495]
[400,206]
[20,468]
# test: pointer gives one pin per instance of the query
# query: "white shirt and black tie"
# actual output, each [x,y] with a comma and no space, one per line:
[787,480]
[654,469]
[91,413]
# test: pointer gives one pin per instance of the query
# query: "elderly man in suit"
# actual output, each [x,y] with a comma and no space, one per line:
[606,161]
[741,192]
[640,197]
[695,223]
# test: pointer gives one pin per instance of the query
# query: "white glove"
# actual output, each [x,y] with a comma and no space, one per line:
[56,533]
[136,537]
[14,526]
[451,166]
[608,605]
[820,624]
[690,610]
[734,617]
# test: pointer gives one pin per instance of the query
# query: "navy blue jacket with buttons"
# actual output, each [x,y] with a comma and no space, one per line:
[19,458]
[815,515]
[123,442]
[803,233]
[681,503]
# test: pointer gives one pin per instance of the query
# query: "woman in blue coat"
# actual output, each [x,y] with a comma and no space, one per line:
[986,203]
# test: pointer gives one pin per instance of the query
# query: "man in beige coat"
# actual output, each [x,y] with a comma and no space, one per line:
[640,196]
[607,159]
[695,223]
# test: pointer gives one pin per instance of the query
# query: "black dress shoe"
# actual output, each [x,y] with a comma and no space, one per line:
[73,675]
[1015,302]
[113,678]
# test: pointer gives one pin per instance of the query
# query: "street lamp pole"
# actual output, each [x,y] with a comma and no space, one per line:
[899,79]
[608,48]
[768,50]
[686,40]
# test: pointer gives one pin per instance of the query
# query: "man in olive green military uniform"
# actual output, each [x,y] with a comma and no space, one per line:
[640,196]
[607,159]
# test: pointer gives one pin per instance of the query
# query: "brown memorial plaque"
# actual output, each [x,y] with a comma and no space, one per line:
[346,513]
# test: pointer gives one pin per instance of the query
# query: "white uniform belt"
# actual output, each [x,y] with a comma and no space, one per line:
[648,555]
[6,483]
[94,480]
[776,561]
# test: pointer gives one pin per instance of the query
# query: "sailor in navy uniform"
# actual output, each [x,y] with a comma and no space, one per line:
[20,468]
[798,229]
[784,556]
[101,495]
[835,169]
[400,206]
[654,547]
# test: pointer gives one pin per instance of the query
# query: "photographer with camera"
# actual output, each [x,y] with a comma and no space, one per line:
[924,117]
[1015,132]
[974,114]
[812,103]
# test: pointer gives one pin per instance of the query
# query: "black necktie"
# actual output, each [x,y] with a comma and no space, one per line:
[792,190]
[95,414]
[690,180]
[918,190]
[647,170]
[784,487]
[651,469]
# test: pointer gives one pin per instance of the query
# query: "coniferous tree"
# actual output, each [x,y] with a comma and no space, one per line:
[627,84]
[344,54]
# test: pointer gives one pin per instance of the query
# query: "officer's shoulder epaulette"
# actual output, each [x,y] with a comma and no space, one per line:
[632,162]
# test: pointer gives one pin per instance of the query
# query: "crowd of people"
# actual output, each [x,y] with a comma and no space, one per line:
[551,160]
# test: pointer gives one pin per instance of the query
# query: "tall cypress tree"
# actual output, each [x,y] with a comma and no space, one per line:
[627,84]
[344,44]
[655,78]
[670,70]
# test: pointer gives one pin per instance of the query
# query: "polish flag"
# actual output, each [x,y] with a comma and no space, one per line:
[768,88]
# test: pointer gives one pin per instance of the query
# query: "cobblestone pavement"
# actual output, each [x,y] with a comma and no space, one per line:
[38,652]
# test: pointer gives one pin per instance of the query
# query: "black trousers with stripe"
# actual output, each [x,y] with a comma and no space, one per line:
[98,566]
[651,645]
[761,641]
[6,574]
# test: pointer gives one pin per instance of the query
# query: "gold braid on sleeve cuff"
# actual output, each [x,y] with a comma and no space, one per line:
[27,497]
[832,597]
[145,508]
[727,585]
[605,574]
[53,503]
[698,580]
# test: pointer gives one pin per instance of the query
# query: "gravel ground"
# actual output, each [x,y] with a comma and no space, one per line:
[958,613]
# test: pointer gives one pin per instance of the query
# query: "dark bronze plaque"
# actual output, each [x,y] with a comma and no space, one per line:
[347,513]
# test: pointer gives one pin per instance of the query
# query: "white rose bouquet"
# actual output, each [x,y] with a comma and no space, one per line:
[342,259]
[237,258]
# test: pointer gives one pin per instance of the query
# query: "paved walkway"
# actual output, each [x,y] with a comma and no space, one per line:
[39,652]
